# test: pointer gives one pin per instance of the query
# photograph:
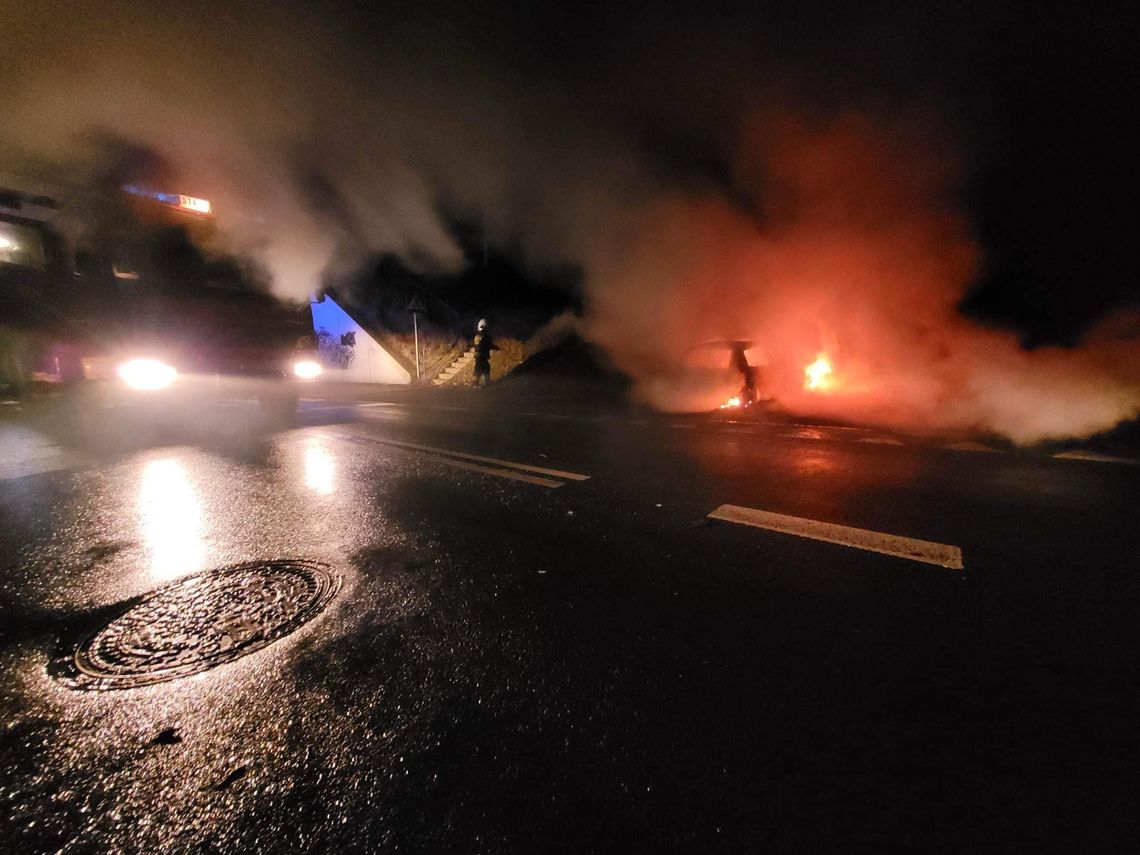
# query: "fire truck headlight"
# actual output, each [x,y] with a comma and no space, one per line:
[147,375]
[307,369]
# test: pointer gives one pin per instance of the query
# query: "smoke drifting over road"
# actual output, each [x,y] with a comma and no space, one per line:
[835,230]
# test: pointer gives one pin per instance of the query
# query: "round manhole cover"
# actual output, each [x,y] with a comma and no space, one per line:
[201,622]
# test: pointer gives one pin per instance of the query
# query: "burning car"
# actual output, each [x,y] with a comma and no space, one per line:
[731,360]
[745,368]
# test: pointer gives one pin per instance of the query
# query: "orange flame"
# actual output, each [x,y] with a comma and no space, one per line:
[818,377]
[731,402]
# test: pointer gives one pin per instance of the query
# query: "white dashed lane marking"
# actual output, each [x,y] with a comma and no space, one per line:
[1094,457]
[526,467]
[501,473]
[924,551]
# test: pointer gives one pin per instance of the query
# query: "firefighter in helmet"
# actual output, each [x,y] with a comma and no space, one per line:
[739,361]
[483,344]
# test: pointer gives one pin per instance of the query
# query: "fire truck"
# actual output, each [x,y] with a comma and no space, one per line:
[116,306]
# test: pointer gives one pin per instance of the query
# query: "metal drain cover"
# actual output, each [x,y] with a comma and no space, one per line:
[202,621]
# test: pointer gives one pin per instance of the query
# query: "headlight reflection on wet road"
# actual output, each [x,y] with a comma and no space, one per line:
[171,519]
[320,468]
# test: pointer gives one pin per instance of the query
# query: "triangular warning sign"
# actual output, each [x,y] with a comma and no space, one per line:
[417,304]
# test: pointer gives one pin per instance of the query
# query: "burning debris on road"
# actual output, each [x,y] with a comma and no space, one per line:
[819,376]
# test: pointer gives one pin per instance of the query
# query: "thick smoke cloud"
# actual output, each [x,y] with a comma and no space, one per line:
[860,253]
[704,194]
[300,163]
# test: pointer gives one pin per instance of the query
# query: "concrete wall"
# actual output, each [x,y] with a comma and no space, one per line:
[370,362]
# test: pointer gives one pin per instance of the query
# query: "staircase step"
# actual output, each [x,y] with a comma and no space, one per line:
[452,371]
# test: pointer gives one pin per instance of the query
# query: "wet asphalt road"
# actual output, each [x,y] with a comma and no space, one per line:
[510,666]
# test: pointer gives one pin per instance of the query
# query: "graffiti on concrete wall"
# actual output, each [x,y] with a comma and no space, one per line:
[336,351]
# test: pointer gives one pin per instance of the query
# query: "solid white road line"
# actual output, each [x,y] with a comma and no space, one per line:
[525,467]
[924,551]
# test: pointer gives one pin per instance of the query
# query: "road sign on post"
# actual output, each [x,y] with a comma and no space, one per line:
[415,307]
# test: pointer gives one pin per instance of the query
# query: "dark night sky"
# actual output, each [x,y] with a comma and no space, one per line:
[1035,102]
[1038,101]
